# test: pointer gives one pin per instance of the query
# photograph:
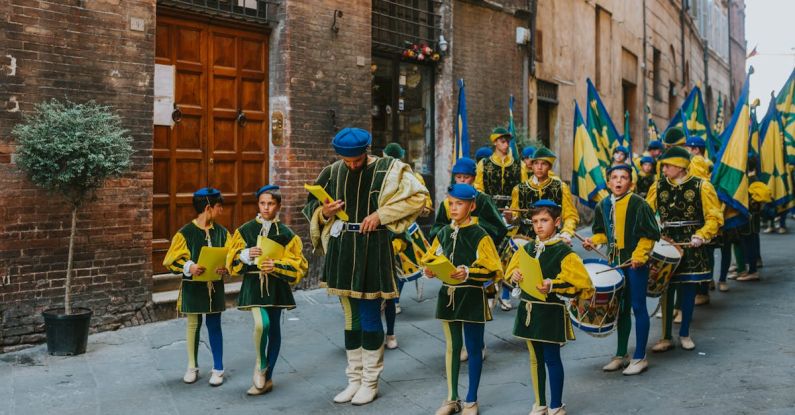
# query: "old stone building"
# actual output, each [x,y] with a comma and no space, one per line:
[235,93]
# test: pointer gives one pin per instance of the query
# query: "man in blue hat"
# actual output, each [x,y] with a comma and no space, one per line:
[527,162]
[700,166]
[376,196]
[620,155]
[646,176]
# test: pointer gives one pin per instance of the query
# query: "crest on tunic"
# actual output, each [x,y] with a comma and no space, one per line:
[690,195]
[664,196]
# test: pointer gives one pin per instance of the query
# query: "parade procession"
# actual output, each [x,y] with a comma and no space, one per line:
[397,207]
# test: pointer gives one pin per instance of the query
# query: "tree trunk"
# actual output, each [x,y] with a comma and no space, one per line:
[68,284]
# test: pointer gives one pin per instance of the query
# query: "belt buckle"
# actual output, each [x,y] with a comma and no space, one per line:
[353,227]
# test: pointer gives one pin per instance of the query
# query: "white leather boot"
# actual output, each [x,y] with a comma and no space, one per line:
[373,365]
[354,374]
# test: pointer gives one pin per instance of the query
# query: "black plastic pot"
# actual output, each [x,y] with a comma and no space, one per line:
[67,335]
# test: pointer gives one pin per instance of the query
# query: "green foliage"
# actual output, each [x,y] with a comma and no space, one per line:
[71,149]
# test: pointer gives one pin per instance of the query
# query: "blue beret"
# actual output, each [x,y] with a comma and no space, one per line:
[546,203]
[464,165]
[647,159]
[483,152]
[265,188]
[462,191]
[207,192]
[351,142]
[626,167]
[621,149]
[693,141]
[656,145]
[528,152]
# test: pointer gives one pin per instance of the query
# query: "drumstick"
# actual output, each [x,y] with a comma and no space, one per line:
[598,252]
[513,210]
[681,244]
[624,265]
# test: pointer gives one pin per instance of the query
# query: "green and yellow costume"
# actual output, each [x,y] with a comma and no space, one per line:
[485,215]
[496,176]
[552,188]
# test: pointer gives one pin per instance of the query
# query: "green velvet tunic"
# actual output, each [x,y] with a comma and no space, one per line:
[465,302]
[548,320]
[272,290]
[528,195]
[639,223]
[485,212]
[357,265]
[201,297]
[643,184]
[499,182]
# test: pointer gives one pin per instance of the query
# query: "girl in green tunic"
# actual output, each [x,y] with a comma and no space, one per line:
[197,298]
[545,324]
[266,288]
[463,307]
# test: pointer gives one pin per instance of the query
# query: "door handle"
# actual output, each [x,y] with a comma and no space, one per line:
[241,118]
[211,161]
[176,115]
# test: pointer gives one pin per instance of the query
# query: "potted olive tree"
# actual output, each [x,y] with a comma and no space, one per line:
[70,150]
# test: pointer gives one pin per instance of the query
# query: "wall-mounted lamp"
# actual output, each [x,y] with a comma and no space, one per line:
[443,45]
[334,25]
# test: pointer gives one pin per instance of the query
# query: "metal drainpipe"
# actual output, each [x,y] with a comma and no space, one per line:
[529,66]
[682,31]
[706,76]
[731,68]
[645,69]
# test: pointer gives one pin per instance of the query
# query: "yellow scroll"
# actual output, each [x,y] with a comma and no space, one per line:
[320,193]
[211,259]
[442,268]
[270,249]
[531,275]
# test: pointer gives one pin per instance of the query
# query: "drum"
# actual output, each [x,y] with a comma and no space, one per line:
[662,263]
[512,246]
[598,316]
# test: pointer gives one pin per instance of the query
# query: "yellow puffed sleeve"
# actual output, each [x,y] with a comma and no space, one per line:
[293,265]
[642,250]
[513,265]
[569,213]
[573,278]
[515,200]
[428,201]
[651,196]
[713,214]
[487,262]
[599,239]
[236,245]
[525,172]
[177,255]
[479,176]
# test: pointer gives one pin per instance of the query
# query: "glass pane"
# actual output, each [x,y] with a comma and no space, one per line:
[415,122]
[382,110]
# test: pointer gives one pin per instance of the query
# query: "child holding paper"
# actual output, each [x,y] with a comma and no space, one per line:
[197,298]
[462,304]
[545,323]
[266,288]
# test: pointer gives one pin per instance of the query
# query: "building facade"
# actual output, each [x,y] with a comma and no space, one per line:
[236,93]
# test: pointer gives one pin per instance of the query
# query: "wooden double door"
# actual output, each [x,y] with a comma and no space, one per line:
[220,134]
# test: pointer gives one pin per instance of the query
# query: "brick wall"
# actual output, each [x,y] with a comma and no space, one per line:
[80,50]
[315,71]
[486,55]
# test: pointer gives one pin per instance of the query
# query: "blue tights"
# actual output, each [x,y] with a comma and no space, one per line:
[634,294]
[213,332]
[546,354]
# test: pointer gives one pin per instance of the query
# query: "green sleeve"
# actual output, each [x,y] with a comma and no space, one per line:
[439,222]
[489,218]
[598,220]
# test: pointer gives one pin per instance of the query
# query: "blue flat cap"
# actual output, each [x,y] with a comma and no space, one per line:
[625,167]
[621,149]
[647,159]
[464,165]
[351,142]
[655,145]
[462,191]
[546,203]
[207,192]
[483,153]
[265,188]
[528,152]
[694,141]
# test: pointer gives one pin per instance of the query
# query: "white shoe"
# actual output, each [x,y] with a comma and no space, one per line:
[397,309]
[372,366]
[687,343]
[191,375]
[464,356]
[723,287]
[505,305]
[732,267]
[732,275]
[769,229]
[702,299]
[254,391]
[558,411]
[636,366]
[354,373]
[663,345]
[538,410]
[259,378]
[677,317]
[391,342]
[449,408]
[217,378]
[749,277]
[616,363]
[659,314]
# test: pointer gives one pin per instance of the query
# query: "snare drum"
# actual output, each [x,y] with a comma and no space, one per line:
[598,316]
[512,246]
[662,263]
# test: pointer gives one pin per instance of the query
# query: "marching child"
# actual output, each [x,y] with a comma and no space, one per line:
[545,325]
[463,308]
[266,290]
[200,298]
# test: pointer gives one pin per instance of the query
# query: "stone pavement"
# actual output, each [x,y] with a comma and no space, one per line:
[744,363]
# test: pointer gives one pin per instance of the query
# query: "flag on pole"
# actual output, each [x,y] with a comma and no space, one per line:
[654,133]
[461,130]
[587,178]
[753,137]
[512,130]
[772,159]
[717,128]
[785,103]
[752,53]
[729,175]
[628,139]
[694,113]
[601,127]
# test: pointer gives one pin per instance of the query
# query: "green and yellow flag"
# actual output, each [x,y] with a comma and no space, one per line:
[772,160]
[785,104]
[729,174]
[717,128]
[587,178]
[753,137]
[601,127]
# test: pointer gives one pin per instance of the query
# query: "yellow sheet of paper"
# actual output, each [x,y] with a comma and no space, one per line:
[320,193]
[531,275]
[211,259]
[442,268]
[270,249]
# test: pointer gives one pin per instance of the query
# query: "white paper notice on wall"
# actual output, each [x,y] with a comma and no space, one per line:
[164,94]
